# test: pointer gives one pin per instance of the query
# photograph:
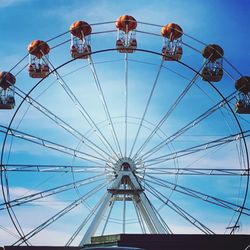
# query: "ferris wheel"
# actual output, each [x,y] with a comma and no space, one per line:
[123,127]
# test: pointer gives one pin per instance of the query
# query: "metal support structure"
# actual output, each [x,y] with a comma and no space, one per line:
[127,185]
[97,219]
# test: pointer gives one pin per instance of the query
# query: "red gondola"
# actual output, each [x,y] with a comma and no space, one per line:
[172,47]
[126,41]
[38,66]
[242,105]
[7,100]
[213,70]
[80,40]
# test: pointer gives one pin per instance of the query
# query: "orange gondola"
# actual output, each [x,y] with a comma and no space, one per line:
[172,47]
[6,80]
[172,31]
[213,70]
[7,100]
[242,105]
[80,29]
[38,48]
[80,40]
[126,23]
[126,41]
[38,66]
[243,84]
[212,52]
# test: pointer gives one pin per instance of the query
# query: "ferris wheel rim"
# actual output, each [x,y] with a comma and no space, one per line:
[143,51]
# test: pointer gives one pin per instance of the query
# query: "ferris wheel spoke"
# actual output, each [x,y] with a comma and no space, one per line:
[81,109]
[105,106]
[198,148]
[188,126]
[197,171]
[198,195]
[146,107]
[50,145]
[85,221]
[60,122]
[126,104]
[52,168]
[169,112]
[180,211]
[52,191]
[61,213]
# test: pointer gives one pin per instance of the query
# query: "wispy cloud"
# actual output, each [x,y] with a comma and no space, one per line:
[48,237]
[9,3]
[48,202]
[151,12]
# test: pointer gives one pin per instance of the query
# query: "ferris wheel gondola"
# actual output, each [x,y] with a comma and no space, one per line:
[7,100]
[243,102]
[172,47]
[80,39]
[38,66]
[126,40]
[213,70]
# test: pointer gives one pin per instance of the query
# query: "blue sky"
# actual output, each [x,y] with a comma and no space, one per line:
[221,22]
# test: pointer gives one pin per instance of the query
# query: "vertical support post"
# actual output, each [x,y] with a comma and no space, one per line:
[96,221]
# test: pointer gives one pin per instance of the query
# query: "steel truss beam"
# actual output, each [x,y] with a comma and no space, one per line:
[137,195]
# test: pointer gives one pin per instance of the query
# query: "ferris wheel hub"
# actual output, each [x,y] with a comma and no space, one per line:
[125,164]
